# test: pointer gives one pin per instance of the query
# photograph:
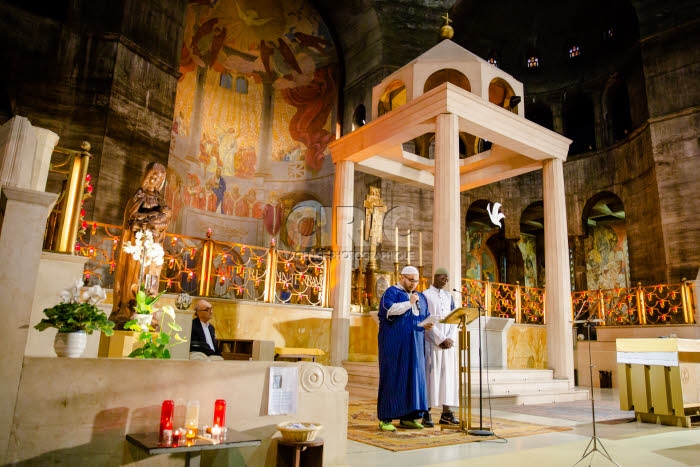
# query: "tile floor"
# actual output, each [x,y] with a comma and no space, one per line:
[628,444]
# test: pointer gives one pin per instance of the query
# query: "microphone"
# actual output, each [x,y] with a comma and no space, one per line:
[417,301]
[478,303]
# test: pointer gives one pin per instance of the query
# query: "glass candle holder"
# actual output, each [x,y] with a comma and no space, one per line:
[192,417]
[219,413]
[166,420]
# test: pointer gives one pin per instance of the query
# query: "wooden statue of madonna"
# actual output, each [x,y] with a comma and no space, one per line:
[145,215]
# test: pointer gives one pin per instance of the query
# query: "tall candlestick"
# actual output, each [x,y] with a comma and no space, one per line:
[396,242]
[420,248]
[362,235]
[408,247]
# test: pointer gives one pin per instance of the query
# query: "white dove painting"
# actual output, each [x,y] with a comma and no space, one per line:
[494,214]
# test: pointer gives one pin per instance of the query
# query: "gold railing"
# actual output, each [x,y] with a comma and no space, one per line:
[209,268]
[653,304]
[64,223]
[524,304]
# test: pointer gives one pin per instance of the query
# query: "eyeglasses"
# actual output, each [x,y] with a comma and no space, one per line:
[412,281]
[208,310]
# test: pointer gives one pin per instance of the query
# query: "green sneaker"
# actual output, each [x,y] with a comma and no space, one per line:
[411,424]
[386,426]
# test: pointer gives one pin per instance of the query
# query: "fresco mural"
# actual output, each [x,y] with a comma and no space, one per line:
[480,262]
[607,265]
[254,110]
[528,248]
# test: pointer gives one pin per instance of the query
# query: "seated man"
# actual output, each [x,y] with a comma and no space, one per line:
[203,336]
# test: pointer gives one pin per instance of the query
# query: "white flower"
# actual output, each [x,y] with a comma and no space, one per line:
[168,310]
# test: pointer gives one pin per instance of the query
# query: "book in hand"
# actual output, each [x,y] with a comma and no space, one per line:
[432,319]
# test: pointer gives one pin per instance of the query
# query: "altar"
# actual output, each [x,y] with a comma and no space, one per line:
[660,379]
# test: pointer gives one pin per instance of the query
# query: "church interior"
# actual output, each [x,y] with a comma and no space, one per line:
[543,153]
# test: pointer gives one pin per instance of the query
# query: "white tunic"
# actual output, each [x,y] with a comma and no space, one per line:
[441,371]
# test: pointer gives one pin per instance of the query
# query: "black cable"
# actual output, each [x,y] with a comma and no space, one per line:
[488,388]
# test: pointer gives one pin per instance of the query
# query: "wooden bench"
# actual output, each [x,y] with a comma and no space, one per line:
[297,353]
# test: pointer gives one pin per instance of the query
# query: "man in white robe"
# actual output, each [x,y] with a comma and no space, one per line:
[441,353]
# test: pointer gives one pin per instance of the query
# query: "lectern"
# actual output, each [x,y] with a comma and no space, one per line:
[461,317]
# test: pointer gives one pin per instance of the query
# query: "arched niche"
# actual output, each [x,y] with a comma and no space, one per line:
[447,75]
[484,259]
[531,245]
[617,110]
[579,124]
[425,145]
[500,93]
[605,244]
[394,96]
[359,117]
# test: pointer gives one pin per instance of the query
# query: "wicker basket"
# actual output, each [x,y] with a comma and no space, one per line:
[308,433]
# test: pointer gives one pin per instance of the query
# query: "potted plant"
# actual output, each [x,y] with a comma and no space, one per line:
[157,344]
[147,252]
[74,317]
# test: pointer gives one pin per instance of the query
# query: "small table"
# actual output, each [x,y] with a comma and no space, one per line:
[300,453]
[148,442]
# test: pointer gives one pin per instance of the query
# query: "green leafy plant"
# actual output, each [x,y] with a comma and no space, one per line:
[144,303]
[156,344]
[78,311]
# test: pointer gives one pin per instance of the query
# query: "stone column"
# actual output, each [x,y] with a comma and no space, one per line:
[560,351]
[341,262]
[24,215]
[447,221]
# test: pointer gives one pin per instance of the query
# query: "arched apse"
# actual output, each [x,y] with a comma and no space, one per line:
[394,96]
[257,100]
[579,124]
[605,244]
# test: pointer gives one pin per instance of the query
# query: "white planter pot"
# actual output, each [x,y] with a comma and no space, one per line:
[70,344]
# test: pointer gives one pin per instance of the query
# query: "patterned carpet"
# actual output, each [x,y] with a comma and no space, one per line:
[363,426]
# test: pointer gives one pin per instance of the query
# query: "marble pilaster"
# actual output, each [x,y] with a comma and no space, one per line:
[560,351]
[341,261]
[446,207]
[24,215]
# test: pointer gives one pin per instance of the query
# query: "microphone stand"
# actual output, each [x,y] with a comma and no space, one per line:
[481,431]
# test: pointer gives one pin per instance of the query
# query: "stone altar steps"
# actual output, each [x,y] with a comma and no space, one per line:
[521,386]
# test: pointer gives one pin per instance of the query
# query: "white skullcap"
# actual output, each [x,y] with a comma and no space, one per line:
[408,270]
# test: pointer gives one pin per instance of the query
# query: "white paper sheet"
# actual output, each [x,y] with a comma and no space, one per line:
[282,391]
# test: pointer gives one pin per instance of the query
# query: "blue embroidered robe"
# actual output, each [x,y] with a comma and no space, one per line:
[402,389]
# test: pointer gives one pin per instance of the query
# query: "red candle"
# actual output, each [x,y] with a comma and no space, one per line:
[220,412]
[166,418]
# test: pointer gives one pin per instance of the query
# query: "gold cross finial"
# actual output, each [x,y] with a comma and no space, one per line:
[447,19]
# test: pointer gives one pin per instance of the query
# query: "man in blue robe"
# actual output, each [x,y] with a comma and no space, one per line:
[402,391]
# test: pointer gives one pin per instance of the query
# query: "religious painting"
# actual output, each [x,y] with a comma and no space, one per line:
[528,249]
[254,111]
[607,265]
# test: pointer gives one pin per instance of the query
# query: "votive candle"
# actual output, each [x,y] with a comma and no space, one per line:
[166,420]
[219,412]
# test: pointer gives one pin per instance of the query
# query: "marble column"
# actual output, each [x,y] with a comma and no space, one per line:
[560,351]
[341,262]
[447,222]
[24,214]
